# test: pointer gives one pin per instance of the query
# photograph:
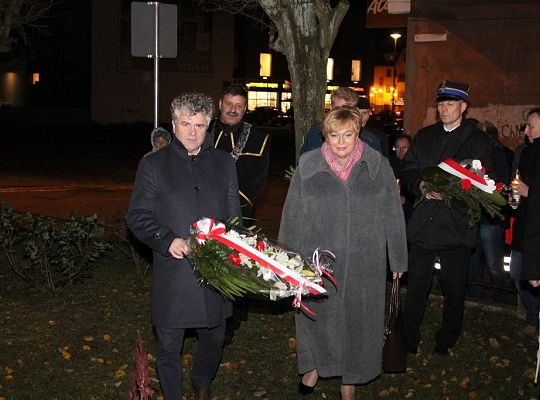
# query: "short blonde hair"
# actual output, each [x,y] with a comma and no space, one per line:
[342,116]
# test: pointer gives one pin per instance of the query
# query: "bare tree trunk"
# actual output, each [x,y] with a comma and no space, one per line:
[306,30]
[7,21]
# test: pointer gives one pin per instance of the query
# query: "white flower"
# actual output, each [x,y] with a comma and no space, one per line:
[282,257]
[477,165]
[490,183]
[245,260]
[234,234]
[280,285]
[250,240]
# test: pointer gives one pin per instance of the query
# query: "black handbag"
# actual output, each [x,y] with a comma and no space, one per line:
[395,344]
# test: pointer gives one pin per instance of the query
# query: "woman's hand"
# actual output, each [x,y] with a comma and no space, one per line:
[397,275]
[178,248]
[535,283]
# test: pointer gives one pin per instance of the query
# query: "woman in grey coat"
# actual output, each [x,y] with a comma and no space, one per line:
[343,198]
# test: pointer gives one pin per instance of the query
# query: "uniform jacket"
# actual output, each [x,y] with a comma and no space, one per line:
[358,220]
[432,225]
[531,223]
[172,190]
[252,163]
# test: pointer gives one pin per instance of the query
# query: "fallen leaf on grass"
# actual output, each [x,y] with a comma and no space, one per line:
[97,360]
[465,382]
[119,373]
[86,347]
[530,373]
[226,365]
[63,351]
[107,338]
[186,359]
[51,322]
[472,395]
[259,392]
[88,338]
[292,343]
[494,343]
[8,370]
[117,384]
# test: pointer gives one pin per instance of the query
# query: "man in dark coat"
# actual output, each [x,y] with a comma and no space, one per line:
[174,187]
[435,230]
[344,96]
[531,228]
[250,149]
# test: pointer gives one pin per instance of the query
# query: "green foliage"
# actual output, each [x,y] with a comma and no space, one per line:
[210,260]
[49,254]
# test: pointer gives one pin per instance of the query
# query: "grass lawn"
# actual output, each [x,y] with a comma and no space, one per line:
[80,344]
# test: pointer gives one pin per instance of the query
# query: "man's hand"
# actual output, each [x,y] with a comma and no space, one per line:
[521,187]
[429,195]
[178,248]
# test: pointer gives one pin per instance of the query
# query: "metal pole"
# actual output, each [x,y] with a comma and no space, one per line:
[156,63]
[394,77]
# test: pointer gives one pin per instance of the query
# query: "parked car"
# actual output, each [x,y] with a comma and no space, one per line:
[267,115]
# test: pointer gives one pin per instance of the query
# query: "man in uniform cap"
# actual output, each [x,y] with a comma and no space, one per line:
[434,230]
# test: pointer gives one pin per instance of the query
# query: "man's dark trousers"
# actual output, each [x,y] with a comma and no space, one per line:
[454,274]
[205,363]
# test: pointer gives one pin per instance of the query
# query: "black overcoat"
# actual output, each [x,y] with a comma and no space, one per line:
[433,225]
[172,190]
[531,224]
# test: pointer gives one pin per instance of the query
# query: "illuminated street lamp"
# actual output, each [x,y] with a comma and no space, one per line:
[394,36]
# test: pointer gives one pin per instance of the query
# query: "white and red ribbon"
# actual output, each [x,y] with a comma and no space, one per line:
[454,168]
[208,229]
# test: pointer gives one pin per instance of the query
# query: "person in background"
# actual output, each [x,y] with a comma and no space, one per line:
[343,198]
[525,240]
[250,149]
[435,230]
[401,147]
[174,187]
[344,96]
[489,250]
[160,138]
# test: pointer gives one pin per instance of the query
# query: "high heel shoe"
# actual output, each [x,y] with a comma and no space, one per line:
[305,390]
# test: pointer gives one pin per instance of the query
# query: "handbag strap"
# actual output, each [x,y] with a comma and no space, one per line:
[394,299]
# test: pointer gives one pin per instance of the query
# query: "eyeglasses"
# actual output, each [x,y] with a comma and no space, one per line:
[396,148]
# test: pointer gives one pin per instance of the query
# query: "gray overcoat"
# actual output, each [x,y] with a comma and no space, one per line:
[171,191]
[358,220]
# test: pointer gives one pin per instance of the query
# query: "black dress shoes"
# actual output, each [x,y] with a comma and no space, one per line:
[202,394]
[305,390]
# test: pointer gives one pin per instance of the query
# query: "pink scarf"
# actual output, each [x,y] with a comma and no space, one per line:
[342,171]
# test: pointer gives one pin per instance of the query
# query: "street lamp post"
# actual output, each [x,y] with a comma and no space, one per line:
[394,36]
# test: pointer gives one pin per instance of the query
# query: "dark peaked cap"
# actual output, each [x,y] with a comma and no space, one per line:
[449,90]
